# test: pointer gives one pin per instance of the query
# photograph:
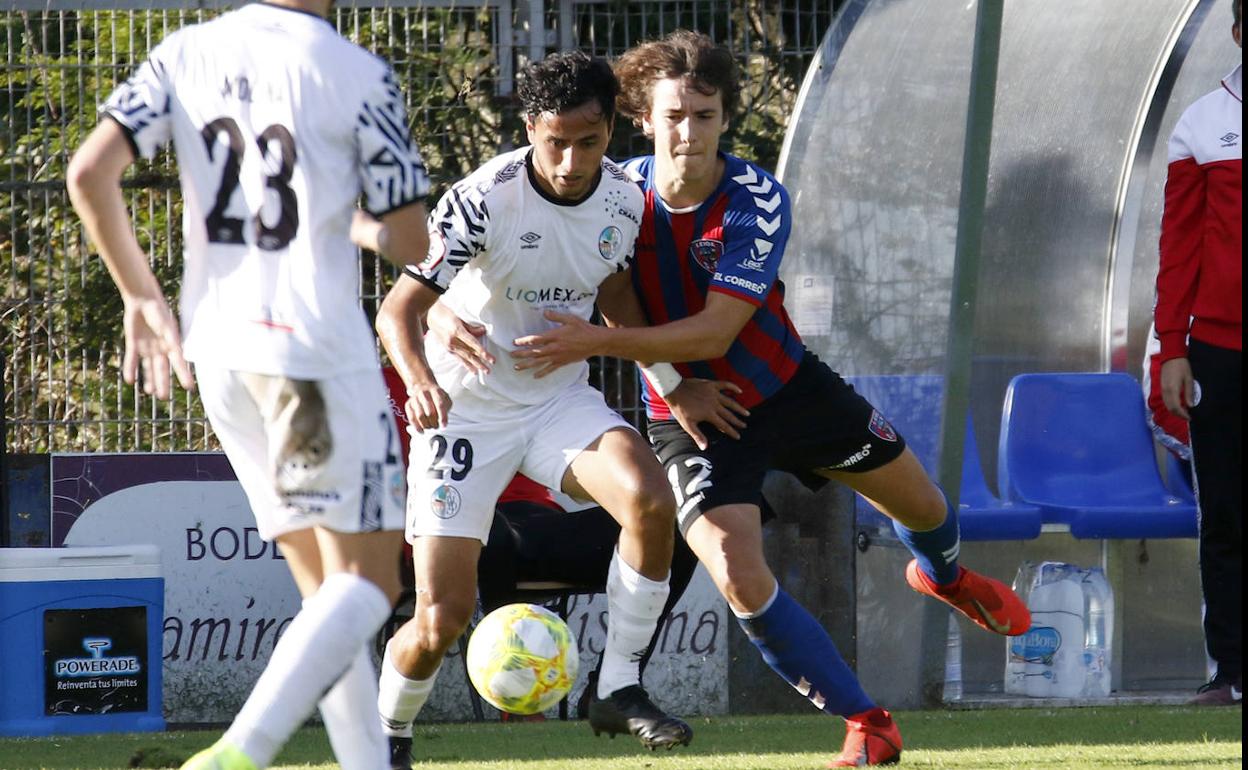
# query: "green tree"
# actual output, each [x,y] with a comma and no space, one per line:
[60,311]
[61,316]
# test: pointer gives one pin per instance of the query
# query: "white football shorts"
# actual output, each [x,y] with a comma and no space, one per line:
[309,454]
[456,474]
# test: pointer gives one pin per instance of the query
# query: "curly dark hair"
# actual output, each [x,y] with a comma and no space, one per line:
[692,56]
[563,81]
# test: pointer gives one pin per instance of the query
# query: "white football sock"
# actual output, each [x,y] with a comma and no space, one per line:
[317,648]
[357,739]
[634,603]
[400,699]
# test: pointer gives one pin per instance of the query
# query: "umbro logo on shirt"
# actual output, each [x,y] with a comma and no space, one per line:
[530,240]
[1229,139]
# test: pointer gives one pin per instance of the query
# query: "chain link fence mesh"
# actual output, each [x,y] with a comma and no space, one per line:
[61,317]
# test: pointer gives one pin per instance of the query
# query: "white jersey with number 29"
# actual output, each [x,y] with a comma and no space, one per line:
[279,125]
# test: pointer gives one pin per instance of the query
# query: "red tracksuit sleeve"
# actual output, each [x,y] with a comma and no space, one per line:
[1182,228]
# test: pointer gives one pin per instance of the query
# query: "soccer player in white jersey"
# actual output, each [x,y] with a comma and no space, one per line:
[536,229]
[279,126]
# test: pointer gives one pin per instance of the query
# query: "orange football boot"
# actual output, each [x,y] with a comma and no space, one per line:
[989,603]
[871,738]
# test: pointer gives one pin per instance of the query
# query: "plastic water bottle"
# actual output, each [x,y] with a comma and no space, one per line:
[1053,646]
[1098,603]
[953,661]
[1015,682]
[1024,580]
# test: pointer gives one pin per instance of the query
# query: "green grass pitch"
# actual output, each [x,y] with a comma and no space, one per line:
[1135,736]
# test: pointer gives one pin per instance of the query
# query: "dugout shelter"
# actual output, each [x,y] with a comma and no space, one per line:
[1086,95]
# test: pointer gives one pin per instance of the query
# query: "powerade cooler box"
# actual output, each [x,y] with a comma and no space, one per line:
[80,640]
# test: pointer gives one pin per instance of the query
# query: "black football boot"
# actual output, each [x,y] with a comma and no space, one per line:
[630,710]
[400,753]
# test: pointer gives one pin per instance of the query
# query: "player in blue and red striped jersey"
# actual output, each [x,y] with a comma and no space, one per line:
[707,258]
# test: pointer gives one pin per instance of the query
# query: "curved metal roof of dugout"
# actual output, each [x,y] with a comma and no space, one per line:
[1087,93]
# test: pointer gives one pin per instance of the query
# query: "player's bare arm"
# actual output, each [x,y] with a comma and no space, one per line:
[400,235]
[575,339]
[401,331]
[462,338]
[153,341]
[701,337]
[618,302]
[694,400]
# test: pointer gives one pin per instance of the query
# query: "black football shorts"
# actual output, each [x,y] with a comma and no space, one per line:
[815,422]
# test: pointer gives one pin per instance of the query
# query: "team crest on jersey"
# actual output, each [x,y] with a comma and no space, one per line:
[880,427]
[445,502]
[609,241]
[706,252]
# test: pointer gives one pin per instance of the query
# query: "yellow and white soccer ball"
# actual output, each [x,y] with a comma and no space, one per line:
[522,658]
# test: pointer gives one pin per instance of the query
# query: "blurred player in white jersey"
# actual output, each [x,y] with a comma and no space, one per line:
[537,229]
[279,125]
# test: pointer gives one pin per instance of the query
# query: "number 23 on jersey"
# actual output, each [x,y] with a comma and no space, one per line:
[277,154]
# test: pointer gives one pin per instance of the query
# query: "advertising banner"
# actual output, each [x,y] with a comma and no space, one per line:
[229,596]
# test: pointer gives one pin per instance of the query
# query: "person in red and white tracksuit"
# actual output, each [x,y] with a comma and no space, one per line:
[1198,323]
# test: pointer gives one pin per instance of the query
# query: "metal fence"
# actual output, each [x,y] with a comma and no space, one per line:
[456,60]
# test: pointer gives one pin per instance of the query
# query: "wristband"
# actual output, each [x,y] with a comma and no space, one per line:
[663,377]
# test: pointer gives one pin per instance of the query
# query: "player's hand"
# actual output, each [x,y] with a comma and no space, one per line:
[573,340]
[1178,387]
[711,401]
[153,344]
[427,407]
[460,337]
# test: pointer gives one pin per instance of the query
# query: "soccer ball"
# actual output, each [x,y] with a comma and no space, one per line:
[522,658]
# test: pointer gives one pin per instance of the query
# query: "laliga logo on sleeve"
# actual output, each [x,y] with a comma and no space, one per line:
[609,241]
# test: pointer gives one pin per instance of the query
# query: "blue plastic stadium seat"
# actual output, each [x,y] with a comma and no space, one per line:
[1076,446]
[981,515]
[912,404]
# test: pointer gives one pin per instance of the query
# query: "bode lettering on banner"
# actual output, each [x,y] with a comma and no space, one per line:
[224,544]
